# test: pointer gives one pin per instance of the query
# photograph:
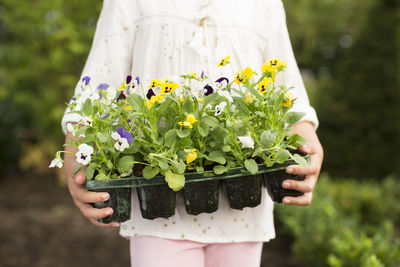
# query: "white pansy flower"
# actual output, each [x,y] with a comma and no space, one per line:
[219,108]
[71,128]
[87,121]
[83,156]
[121,143]
[247,141]
[57,162]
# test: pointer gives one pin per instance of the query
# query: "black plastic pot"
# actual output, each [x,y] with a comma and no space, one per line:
[244,191]
[156,201]
[119,201]
[273,182]
[201,197]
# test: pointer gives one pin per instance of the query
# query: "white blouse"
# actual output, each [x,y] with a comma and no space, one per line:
[156,39]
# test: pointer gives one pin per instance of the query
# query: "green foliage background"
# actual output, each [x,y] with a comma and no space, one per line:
[349,53]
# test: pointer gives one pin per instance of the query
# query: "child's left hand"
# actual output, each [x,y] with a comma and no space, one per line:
[314,149]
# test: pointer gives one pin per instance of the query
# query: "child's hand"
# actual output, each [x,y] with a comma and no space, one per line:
[314,149]
[80,195]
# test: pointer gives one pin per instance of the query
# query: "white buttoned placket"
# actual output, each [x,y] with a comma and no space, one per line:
[200,42]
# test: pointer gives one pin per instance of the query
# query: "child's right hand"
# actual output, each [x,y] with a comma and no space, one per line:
[81,197]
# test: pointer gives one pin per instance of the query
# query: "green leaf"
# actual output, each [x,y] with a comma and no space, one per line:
[220,169]
[210,121]
[282,155]
[217,156]
[89,172]
[170,138]
[199,169]
[80,130]
[183,133]
[226,148]
[109,164]
[210,98]
[296,140]
[175,181]
[261,114]
[76,170]
[229,123]
[293,117]
[88,138]
[136,101]
[179,166]
[163,164]
[101,176]
[267,138]
[251,165]
[149,172]
[125,164]
[102,136]
[87,108]
[203,130]
[300,160]
[188,106]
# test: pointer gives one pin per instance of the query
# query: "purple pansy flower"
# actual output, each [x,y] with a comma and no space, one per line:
[202,74]
[221,83]
[125,134]
[207,90]
[150,93]
[138,80]
[102,86]
[128,79]
[121,96]
[86,80]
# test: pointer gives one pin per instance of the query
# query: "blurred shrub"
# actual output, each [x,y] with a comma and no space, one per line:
[348,224]
[43,46]
[359,110]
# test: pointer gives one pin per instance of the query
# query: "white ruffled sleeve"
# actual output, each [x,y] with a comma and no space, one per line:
[109,59]
[281,47]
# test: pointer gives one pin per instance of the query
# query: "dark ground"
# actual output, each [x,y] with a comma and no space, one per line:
[41,227]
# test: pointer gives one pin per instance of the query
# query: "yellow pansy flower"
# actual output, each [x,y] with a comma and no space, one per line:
[249,97]
[243,75]
[277,63]
[168,87]
[149,104]
[270,70]
[123,86]
[190,120]
[224,61]
[248,72]
[158,98]
[155,82]
[263,85]
[194,75]
[191,156]
[287,100]
[128,107]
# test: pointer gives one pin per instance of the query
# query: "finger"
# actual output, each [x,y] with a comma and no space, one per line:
[307,185]
[305,149]
[92,213]
[97,223]
[297,169]
[93,197]
[80,179]
[303,200]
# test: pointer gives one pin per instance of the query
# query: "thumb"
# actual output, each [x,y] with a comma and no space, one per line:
[80,177]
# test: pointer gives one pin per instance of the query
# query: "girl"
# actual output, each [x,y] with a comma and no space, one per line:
[162,38]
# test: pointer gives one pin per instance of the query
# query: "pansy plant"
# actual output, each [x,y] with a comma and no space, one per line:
[171,127]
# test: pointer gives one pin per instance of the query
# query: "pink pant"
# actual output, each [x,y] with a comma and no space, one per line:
[149,251]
